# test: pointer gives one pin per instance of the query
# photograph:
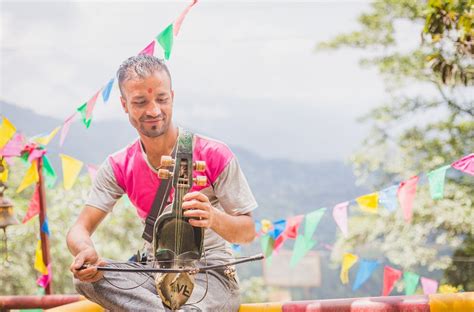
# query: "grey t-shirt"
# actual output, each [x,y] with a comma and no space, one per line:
[229,192]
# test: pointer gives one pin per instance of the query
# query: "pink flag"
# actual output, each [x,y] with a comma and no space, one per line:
[291,231]
[406,195]
[14,146]
[390,277]
[35,154]
[149,49]
[91,104]
[429,286]
[339,214]
[465,164]
[180,19]
[44,280]
[65,129]
[92,169]
[34,206]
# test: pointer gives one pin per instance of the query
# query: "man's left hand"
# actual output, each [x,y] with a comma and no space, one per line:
[199,209]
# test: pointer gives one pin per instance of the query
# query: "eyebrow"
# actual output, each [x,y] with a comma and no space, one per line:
[138,97]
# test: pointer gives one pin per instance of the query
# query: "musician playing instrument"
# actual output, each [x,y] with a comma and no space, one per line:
[221,204]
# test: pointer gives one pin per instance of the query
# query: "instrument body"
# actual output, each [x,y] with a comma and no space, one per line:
[176,243]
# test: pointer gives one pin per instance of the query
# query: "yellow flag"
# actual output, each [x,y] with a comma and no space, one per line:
[4,174]
[46,139]
[71,169]
[30,177]
[369,203]
[266,225]
[39,263]
[7,130]
[347,262]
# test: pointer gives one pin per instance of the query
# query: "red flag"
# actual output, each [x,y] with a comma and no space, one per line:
[291,231]
[390,277]
[149,49]
[34,206]
[406,195]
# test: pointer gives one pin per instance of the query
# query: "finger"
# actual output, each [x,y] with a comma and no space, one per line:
[194,204]
[86,273]
[78,262]
[195,195]
[200,223]
[195,213]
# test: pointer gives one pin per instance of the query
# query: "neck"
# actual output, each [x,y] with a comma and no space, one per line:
[159,146]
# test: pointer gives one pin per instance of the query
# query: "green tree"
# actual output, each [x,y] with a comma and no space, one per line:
[417,131]
[117,238]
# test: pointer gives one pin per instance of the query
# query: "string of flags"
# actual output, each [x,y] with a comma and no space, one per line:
[274,234]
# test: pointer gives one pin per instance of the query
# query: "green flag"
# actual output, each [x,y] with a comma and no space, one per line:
[267,245]
[165,39]
[49,173]
[311,223]
[410,280]
[82,109]
[436,178]
[301,248]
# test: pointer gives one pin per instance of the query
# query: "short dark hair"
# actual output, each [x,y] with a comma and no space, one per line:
[140,66]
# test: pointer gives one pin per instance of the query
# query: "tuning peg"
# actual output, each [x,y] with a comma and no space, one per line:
[200,180]
[167,161]
[164,174]
[199,165]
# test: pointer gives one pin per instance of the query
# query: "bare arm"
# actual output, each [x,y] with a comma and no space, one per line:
[81,246]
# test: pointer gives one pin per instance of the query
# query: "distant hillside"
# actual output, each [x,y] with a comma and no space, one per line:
[282,187]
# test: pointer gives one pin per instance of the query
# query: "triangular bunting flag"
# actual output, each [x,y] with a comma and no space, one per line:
[347,262]
[266,225]
[49,173]
[71,168]
[339,213]
[429,286]
[14,146]
[91,105]
[369,203]
[165,39]
[436,179]
[410,280]
[180,19]
[311,222]
[82,109]
[65,128]
[465,164]
[388,198]
[291,231]
[34,206]
[44,280]
[30,177]
[390,277]
[46,139]
[7,130]
[366,268]
[4,174]
[108,87]
[149,49]
[406,195]
[266,243]
[45,227]
[301,248]
[277,228]
[39,263]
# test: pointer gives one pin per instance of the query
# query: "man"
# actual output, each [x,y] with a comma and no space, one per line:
[223,207]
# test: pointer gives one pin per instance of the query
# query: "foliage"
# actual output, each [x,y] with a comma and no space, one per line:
[113,238]
[426,123]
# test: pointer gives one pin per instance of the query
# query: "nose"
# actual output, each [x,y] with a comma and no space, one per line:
[153,109]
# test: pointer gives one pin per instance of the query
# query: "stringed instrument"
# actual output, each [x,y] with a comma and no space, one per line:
[176,243]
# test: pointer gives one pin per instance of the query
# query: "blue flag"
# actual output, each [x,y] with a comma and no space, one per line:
[107,89]
[278,228]
[366,268]
[45,227]
[388,198]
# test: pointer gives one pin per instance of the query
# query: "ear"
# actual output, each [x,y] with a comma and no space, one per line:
[172,95]
[124,104]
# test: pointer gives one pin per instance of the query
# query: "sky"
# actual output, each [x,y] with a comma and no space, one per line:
[244,72]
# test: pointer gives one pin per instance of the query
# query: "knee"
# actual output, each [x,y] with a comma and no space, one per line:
[83,288]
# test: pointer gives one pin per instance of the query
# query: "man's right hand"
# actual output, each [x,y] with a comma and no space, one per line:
[87,257]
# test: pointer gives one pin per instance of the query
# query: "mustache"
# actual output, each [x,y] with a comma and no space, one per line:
[149,118]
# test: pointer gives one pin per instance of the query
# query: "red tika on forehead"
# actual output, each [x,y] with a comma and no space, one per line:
[149,90]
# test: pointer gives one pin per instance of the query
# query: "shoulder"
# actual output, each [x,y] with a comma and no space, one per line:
[122,155]
[215,153]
